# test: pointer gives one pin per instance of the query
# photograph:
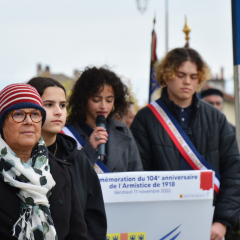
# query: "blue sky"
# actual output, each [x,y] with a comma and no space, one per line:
[72,34]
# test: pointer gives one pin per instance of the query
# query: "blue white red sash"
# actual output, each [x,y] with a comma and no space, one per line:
[181,140]
[70,131]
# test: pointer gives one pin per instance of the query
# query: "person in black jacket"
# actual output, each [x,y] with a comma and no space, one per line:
[181,73]
[38,195]
[214,97]
[64,147]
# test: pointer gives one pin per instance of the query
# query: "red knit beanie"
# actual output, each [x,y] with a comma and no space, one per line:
[17,96]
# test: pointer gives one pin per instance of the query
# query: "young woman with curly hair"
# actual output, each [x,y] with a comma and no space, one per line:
[99,91]
[204,129]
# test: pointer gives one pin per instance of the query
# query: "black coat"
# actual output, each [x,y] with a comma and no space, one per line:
[88,187]
[64,205]
[214,139]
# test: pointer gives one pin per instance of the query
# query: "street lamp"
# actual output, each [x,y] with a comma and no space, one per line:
[142,5]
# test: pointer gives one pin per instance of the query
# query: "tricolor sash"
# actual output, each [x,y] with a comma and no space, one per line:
[181,140]
[70,131]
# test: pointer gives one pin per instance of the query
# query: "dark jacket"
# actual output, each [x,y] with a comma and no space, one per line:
[88,187]
[233,127]
[122,150]
[64,205]
[214,139]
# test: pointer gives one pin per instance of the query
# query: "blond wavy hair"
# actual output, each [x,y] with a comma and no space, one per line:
[167,67]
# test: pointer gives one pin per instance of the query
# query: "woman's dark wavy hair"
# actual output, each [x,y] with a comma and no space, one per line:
[41,83]
[91,81]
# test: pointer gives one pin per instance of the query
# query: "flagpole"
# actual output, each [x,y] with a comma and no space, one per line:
[153,84]
[166,24]
[186,30]
[236,60]
[151,62]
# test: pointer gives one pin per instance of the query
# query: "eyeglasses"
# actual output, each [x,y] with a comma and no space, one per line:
[215,103]
[19,115]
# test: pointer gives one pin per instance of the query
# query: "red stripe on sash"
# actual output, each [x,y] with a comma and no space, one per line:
[216,189]
[174,139]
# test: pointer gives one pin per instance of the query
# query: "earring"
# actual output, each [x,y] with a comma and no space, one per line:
[113,108]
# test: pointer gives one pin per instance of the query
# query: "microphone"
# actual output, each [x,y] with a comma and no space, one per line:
[101,122]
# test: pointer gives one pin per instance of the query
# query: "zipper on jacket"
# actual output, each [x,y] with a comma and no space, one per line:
[197,106]
[190,134]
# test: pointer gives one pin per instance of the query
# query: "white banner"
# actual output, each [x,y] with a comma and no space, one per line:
[158,205]
[155,186]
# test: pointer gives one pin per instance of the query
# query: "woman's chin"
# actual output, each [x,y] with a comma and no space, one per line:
[53,130]
[29,143]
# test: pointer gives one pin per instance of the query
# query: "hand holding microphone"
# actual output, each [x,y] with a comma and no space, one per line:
[101,122]
[99,137]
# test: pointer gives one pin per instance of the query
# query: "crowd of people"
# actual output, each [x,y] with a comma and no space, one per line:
[50,160]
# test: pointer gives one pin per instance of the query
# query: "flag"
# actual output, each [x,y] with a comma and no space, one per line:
[154,87]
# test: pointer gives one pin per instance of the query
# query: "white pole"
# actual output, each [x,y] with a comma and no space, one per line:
[236,59]
[166,24]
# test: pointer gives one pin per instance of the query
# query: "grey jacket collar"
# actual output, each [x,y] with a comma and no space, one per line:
[118,142]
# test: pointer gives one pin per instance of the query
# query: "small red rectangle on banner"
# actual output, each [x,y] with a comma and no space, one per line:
[206,180]
[123,236]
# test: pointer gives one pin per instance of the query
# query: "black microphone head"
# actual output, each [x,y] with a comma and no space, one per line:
[100,119]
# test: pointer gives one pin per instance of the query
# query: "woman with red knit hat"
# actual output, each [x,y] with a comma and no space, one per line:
[38,196]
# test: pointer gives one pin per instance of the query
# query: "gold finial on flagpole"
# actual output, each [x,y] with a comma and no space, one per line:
[186,30]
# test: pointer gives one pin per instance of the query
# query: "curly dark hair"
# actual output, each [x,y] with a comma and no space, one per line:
[91,81]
